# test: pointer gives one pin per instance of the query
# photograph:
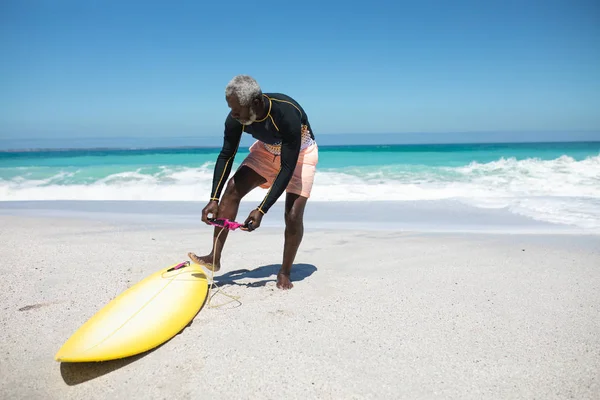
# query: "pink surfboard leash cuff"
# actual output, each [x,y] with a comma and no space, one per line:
[225,223]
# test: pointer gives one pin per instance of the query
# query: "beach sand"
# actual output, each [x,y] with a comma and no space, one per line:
[373,314]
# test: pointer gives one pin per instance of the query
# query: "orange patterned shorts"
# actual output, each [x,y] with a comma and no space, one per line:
[267,165]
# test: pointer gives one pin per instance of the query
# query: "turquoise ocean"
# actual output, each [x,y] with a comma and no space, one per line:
[551,182]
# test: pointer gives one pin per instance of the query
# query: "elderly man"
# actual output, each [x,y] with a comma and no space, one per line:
[283,158]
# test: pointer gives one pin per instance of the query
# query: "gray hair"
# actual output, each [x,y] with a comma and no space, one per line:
[245,88]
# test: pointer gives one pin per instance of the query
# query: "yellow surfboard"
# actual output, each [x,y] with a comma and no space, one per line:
[141,318]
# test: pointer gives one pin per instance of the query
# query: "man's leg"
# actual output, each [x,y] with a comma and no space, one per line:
[244,180]
[294,230]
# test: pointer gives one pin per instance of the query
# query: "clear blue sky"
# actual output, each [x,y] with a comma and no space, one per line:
[148,68]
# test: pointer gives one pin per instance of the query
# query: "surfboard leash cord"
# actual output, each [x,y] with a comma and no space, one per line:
[212,281]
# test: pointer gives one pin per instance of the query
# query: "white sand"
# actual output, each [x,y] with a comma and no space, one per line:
[372,315]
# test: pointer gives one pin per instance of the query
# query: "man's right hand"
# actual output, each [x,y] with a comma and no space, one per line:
[212,209]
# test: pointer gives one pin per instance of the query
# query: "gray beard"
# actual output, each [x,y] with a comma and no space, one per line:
[249,121]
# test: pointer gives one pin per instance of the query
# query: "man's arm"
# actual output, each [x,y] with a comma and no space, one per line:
[290,127]
[231,142]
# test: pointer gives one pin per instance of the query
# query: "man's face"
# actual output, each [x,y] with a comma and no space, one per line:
[244,114]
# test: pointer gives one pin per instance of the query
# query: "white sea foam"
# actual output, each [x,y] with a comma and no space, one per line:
[562,190]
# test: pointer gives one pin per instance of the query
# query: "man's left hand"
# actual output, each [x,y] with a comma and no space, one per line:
[253,220]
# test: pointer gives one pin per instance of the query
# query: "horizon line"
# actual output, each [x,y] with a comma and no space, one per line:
[219,134]
[121,148]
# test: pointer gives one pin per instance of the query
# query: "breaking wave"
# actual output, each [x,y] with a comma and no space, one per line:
[562,190]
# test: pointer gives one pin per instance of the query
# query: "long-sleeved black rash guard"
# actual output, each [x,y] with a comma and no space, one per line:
[282,125]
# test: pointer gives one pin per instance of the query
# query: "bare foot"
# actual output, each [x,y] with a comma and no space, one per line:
[205,261]
[283,281]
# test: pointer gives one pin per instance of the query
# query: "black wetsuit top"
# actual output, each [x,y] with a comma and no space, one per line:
[283,124]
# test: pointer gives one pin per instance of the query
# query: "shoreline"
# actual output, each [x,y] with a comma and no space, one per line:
[414,216]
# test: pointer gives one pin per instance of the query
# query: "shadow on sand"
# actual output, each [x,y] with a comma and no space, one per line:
[299,273]
[81,372]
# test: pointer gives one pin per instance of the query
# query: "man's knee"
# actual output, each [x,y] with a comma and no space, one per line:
[232,192]
[293,218]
